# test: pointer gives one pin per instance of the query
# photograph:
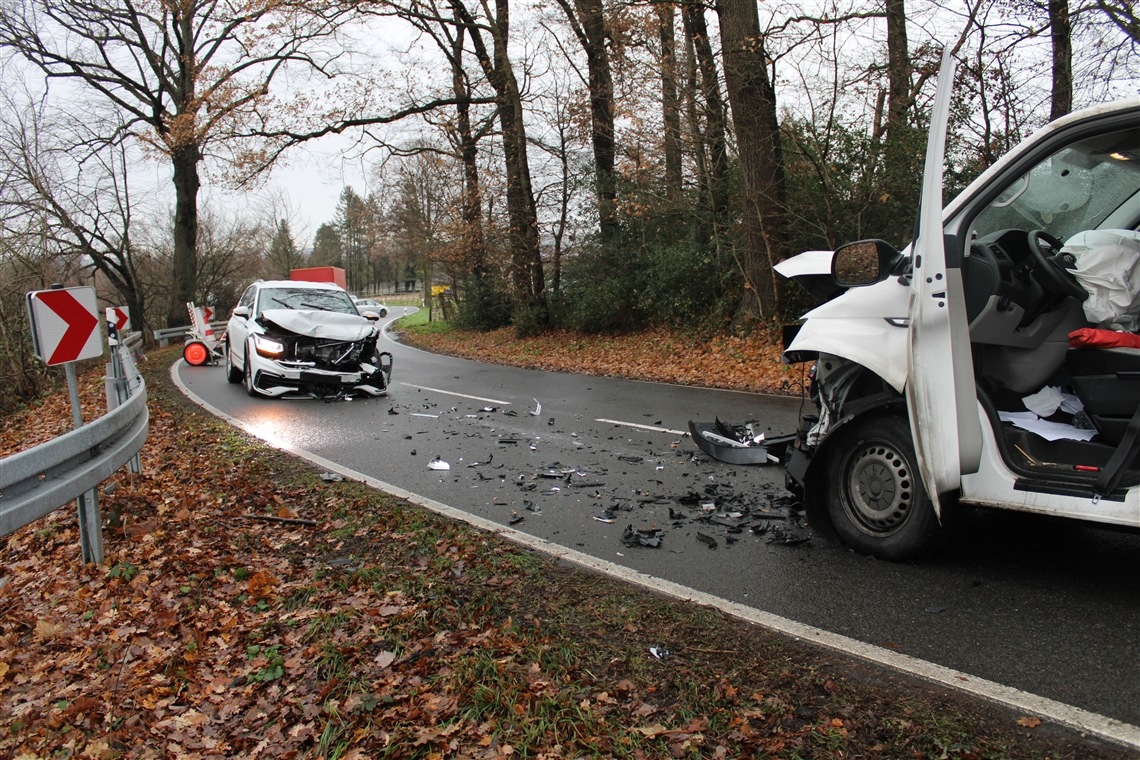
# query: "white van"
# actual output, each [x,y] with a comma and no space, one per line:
[944,374]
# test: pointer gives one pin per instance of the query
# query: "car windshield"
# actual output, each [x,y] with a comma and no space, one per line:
[306,298]
[1088,185]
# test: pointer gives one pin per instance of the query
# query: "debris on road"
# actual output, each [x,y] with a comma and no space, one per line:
[706,539]
[438,464]
[738,444]
[642,536]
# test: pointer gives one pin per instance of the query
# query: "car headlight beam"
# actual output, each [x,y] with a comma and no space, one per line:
[268,347]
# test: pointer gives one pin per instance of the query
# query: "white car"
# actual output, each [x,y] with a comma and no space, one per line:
[364,305]
[959,371]
[304,339]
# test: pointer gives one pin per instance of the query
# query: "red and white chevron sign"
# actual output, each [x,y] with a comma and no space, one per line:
[65,325]
[119,317]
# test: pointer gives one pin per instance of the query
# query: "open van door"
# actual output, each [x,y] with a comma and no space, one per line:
[940,392]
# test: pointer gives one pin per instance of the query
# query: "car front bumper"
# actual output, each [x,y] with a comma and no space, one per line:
[300,380]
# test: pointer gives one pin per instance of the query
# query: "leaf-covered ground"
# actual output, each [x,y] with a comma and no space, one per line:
[378,629]
[722,361]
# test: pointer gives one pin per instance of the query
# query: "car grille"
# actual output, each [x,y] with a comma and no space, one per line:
[341,356]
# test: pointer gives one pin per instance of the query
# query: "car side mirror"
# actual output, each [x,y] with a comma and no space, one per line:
[863,263]
[241,311]
[371,316]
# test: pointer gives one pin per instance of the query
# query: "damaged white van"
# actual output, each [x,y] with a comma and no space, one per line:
[987,364]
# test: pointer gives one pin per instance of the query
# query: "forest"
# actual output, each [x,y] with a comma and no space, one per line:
[597,165]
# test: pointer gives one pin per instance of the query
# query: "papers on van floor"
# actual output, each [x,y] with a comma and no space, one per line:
[1049,399]
[1050,431]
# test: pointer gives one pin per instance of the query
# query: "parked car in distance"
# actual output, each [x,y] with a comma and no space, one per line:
[304,339]
[370,304]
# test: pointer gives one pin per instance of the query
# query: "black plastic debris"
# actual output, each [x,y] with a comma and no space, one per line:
[706,539]
[738,444]
[490,458]
[642,536]
[516,518]
[392,410]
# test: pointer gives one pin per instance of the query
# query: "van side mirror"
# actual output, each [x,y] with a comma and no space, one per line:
[863,263]
[241,311]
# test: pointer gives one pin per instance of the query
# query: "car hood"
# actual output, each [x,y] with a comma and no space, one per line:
[320,324]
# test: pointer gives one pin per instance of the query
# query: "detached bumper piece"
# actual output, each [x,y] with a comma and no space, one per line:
[737,444]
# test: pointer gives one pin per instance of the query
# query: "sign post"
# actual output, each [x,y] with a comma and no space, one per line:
[64,331]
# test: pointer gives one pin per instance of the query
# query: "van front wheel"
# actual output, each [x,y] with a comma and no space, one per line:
[876,502]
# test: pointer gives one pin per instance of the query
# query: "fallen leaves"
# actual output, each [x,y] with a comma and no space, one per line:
[737,363]
[208,634]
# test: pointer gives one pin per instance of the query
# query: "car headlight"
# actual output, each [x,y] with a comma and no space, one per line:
[268,347]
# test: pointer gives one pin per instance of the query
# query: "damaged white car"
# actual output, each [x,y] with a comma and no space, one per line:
[304,339]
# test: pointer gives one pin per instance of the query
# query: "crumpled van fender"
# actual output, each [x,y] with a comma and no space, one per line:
[805,465]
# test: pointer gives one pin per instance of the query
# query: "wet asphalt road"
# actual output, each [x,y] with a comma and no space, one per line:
[1048,607]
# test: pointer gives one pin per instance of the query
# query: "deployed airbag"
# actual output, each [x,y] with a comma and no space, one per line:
[1108,267]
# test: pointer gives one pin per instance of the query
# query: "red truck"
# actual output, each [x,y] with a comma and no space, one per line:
[334,275]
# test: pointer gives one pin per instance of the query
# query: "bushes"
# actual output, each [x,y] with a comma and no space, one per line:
[637,283]
[486,304]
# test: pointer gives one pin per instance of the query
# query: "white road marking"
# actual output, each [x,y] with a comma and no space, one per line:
[655,428]
[460,395]
[1076,718]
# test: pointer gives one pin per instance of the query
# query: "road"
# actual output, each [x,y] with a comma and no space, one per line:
[1044,607]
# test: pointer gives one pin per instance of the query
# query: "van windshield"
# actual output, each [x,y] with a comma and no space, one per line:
[1084,186]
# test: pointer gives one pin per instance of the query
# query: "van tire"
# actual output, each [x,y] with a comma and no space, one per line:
[876,502]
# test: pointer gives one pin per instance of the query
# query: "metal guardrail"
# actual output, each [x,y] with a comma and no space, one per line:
[165,335]
[36,482]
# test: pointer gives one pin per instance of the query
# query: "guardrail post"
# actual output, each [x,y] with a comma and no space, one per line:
[118,384]
[90,522]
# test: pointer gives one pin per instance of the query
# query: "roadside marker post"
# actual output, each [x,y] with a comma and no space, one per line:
[64,322]
[202,347]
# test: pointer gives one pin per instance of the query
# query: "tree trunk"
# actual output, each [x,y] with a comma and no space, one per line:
[670,111]
[185,161]
[716,185]
[899,190]
[587,18]
[471,205]
[764,203]
[898,65]
[522,213]
[1061,30]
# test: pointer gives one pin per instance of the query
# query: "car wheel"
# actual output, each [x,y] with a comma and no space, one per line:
[877,503]
[383,313]
[247,372]
[233,374]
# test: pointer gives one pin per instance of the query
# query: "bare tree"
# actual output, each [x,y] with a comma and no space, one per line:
[707,123]
[1123,14]
[670,104]
[587,20]
[526,260]
[182,76]
[71,184]
[764,202]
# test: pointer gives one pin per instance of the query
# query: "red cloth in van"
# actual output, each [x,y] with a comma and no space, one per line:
[1091,337]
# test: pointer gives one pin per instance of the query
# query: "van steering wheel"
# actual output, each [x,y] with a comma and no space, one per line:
[1056,276]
